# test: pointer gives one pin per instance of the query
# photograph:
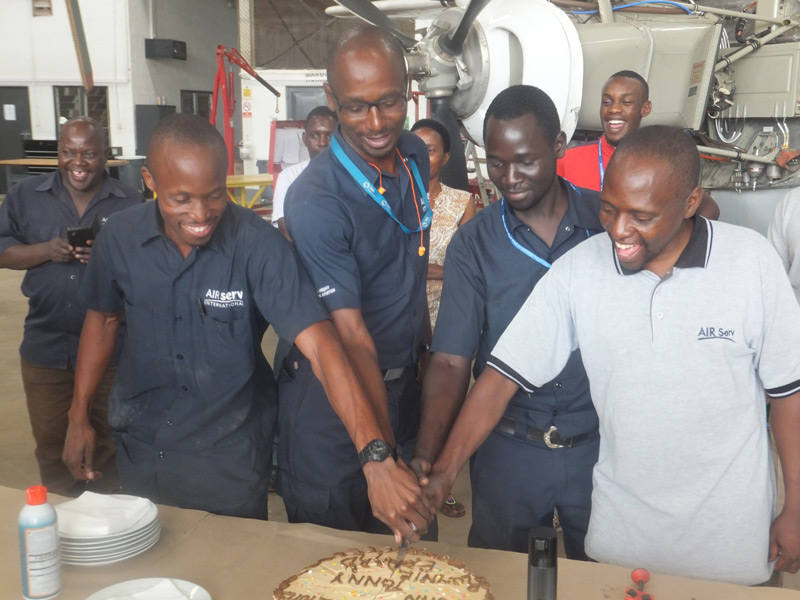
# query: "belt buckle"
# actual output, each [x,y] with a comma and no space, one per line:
[547,434]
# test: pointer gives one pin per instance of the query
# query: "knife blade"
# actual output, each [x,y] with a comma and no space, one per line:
[401,554]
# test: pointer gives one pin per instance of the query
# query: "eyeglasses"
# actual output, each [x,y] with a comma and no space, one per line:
[389,105]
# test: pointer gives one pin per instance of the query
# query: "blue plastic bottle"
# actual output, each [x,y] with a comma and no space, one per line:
[38,546]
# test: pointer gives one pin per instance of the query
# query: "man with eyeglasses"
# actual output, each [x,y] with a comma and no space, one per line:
[360,220]
[34,220]
[318,129]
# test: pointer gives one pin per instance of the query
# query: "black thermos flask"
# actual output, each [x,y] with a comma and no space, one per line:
[542,568]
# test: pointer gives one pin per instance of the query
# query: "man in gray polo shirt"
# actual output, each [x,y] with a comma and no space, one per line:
[683,325]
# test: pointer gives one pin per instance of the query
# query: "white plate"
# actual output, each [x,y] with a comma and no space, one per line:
[192,590]
[93,547]
[108,559]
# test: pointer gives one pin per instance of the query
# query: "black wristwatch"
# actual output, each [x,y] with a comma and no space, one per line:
[376,450]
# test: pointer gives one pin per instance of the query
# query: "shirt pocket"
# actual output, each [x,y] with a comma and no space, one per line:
[231,344]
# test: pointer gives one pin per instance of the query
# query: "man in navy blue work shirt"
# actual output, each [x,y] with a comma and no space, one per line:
[199,280]
[34,219]
[359,219]
[543,447]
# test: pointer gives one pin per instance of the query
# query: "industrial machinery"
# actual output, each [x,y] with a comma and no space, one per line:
[727,73]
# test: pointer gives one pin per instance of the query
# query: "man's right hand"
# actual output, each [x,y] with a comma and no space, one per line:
[396,499]
[59,250]
[78,452]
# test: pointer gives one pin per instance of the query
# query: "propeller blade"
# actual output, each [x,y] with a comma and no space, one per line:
[454,173]
[367,11]
[453,44]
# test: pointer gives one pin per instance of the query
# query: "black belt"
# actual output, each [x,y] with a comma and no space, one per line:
[551,438]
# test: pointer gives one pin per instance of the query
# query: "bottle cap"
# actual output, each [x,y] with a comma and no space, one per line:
[542,547]
[36,494]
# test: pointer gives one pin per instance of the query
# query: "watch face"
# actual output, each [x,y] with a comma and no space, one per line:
[376,450]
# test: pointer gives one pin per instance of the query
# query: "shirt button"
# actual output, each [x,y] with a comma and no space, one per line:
[185,388]
[161,455]
[169,423]
[559,384]
[567,228]
[660,315]
[72,277]
[178,318]
[179,356]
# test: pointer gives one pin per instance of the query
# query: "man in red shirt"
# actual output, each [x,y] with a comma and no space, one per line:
[624,104]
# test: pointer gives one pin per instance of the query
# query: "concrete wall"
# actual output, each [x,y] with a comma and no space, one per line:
[38,52]
[202,24]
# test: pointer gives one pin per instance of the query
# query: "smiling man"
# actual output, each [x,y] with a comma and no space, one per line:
[624,103]
[34,219]
[199,279]
[359,219]
[683,482]
[541,449]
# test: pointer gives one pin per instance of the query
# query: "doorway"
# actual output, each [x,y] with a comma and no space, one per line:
[15,125]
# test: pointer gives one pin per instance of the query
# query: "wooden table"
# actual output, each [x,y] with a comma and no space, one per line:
[240,182]
[235,559]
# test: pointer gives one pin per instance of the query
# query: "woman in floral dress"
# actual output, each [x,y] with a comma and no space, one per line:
[451,209]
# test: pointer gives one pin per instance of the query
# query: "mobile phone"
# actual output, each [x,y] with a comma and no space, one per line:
[78,237]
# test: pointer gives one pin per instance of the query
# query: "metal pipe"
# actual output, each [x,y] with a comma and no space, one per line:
[388,6]
[152,22]
[662,9]
[739,155]
[605,11]
[730,13]
[754,44]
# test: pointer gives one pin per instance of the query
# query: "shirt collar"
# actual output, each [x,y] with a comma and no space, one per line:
[406,149]
[696,254]
[151,227]
[607,148]
[111,187]
[581,213]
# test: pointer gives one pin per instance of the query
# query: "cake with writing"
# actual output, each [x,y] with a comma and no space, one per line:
[368,574]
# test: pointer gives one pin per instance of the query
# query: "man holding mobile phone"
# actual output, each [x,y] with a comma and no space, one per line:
[38,218]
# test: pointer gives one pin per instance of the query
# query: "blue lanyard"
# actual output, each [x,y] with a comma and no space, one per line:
[367,186]
[600,162]
[520,247]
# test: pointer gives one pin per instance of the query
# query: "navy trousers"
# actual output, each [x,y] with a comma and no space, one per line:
[517,483]
[320,477]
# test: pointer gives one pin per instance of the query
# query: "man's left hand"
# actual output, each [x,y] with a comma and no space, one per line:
[784,541]
[82,253]
[396,498]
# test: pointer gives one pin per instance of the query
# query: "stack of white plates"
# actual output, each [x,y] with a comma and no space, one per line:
[98,530]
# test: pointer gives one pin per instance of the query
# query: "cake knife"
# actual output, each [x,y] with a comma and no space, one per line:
[401,554]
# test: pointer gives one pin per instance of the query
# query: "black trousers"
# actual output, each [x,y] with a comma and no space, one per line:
[321,481]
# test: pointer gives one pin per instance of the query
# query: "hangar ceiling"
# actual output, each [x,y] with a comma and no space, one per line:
[295,34]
